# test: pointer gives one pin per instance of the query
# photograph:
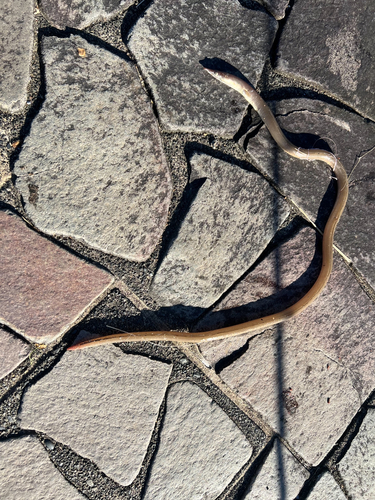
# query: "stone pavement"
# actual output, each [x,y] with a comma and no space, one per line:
[138,193]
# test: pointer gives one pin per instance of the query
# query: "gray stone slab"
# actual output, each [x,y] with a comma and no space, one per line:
[168,44]
[103,404]
[26,473]
[230,221]
[357,468]
[200,448]
[16,43]
[275,284]
[357,226]
[80,13]
[325,356]
[93,165]
[331,44]
[43,288]
[348,136]
[280,478]
[276,7]
[326,487]
[12,352]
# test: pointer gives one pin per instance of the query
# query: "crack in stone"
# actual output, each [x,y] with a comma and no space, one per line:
[354,376]
[337,121]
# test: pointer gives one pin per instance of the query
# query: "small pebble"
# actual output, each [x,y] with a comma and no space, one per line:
[49,445]
[90,483]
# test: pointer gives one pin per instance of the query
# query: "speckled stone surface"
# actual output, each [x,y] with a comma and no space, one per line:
[93,165]
[200,448]
[276,7]
[331,44]
[80,13]
[231,217]
[313,371]
[171,43]
[116,144]
[70,405]
[16,43]
[13,351]
[44,288]
[326,487]
[26,473]
[281,476]
[358,465]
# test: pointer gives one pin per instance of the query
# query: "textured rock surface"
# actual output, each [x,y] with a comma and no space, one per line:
[80,13]
[169,44]
[16,41]
[228,224]
[12,352]
[314,392]
[281,476]
[348,136]
[43,288]
[358,465]
[89,125]
[102,405]
[277,282]
[200,448]
[276,7]
[315,370]
[331,44]
[326,487]
[93,166]
[26,473]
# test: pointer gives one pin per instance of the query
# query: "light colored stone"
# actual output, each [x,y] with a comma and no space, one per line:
[80,13]
[314,393]
[276,283]
[357,468]
[101,403]
[230,221]
[43,288]
[93,165]
[326,488]
[170,43]
[12,352]
[16,44]
[280,478]
[200,448]
[313,371]
[331,44]
[26,473]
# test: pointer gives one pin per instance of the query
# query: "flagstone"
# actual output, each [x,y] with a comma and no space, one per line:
[43,288]
[93,166]
[101,403]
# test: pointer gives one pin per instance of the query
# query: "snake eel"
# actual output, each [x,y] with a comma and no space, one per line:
[250,94]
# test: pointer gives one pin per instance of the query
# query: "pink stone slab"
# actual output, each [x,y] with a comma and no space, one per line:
[12,352]
[43,288]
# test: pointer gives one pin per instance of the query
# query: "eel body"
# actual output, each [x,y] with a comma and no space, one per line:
[256,101]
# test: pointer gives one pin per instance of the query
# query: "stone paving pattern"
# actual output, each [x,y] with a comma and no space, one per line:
[136,192]
[73,180]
